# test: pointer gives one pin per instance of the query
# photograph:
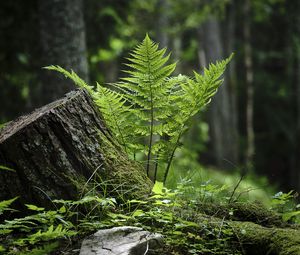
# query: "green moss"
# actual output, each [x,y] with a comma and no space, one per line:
[249,237]
[118,176]
[258,240]
[126,177]
[241,211]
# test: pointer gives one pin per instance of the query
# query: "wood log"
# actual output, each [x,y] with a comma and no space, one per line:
[249,233]
[63,149]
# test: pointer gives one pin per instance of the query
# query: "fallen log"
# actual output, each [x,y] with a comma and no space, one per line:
[258,240]
[63,149]
[250,238]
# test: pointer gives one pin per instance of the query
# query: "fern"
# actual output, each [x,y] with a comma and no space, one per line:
[191,96]
[41,250]
[5,205]
[115,111]
[150,105]
[148,90]
[73,76]
[51,233]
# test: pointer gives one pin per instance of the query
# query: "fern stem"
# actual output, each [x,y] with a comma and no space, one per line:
[171,158]
[156,168]
[151,138]
[123,143]
[152,115]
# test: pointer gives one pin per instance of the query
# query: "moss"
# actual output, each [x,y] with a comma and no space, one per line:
[253,212]
[126,177]
[249,237]
[117,176]
[258,240]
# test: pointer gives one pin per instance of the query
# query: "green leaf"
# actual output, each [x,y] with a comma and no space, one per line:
[7,168]
[34,207]
[4,205]
[118,216]
[62,209]
[289,215]
[2,248]
[137,213]
[158,188]
[135,201]
[73,76]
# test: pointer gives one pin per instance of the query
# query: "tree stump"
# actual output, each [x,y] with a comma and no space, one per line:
[59,150]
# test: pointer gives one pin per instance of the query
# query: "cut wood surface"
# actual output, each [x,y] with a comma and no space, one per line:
[59,149]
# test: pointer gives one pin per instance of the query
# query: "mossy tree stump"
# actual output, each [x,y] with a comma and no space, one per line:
[59,149]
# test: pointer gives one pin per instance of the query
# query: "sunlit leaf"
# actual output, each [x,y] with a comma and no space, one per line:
[158,188]
[34,207]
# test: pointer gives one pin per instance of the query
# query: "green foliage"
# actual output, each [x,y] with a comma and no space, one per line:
[39,231]
[5,205]
[171,212]
[73,76]
[49,234]
[5,168]
[41,250]
[150,105]
[284,203]
[2,125]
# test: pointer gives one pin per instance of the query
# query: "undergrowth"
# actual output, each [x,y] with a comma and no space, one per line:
[166,211]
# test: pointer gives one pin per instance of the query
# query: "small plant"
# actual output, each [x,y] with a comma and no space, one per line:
[284,203]
[2,125]
[41,229]
[175,213]
[170,213]
[5,205]
[149,110]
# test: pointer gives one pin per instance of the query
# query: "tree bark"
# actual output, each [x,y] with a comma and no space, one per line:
[229,40]
[63,150]
[62,42]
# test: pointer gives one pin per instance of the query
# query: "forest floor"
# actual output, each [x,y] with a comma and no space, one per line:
[189,226]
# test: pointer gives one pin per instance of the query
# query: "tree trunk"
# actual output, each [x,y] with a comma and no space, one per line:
[220,121]
[62,42]
[229,41]
[293,59]
[62,150]
[249,84]
[162,36]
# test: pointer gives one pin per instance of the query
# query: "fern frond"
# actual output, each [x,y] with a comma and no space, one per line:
[189,99]
[211,80]
[73,76]
[146,84]
[114,110]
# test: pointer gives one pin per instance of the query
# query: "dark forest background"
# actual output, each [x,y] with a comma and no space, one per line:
[254,120]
